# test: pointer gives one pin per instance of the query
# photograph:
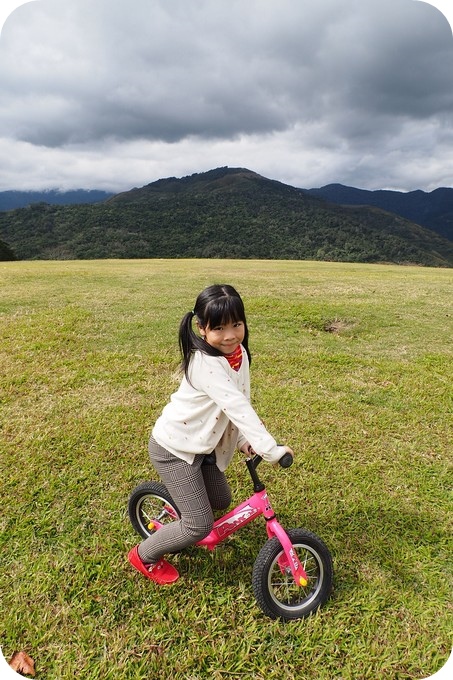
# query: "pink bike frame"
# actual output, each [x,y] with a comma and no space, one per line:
[257,504]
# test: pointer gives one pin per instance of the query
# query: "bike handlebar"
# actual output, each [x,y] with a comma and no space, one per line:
[286,460]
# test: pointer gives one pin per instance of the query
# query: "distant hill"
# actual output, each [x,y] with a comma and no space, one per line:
[223,213]
[9,200]
[433,210]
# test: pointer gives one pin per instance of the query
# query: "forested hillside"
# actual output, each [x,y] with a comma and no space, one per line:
[227,212]
[6,254]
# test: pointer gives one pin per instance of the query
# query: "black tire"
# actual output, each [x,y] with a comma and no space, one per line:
[150,501]
[276,592]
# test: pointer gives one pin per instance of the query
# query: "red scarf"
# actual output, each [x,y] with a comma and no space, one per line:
[235,358]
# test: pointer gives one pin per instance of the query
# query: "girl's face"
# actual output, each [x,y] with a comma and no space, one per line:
[225,338]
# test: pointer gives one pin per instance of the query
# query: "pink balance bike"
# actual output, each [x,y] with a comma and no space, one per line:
[293,572]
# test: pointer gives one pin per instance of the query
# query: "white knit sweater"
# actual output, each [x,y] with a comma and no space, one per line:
[213,413]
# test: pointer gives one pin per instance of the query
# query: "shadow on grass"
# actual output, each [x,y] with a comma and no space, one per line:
[398,549]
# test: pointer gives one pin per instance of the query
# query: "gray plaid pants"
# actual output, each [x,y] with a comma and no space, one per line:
[197,490]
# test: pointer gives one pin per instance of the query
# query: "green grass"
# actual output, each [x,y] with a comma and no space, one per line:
[352,367]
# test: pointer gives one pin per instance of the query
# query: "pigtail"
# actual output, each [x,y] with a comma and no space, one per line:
[186,346]
[189,341]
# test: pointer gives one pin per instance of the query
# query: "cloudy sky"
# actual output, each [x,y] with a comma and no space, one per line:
[112,94]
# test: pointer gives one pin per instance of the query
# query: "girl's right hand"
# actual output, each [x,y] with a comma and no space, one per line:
[284,459]
[248,450]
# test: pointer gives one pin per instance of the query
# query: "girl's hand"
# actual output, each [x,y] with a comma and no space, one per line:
[285,451]
[248,450]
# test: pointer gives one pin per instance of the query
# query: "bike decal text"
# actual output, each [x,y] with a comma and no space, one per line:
[236,520]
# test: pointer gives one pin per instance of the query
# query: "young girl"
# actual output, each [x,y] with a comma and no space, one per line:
[210,413]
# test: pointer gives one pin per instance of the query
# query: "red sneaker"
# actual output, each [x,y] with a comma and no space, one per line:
[161,572]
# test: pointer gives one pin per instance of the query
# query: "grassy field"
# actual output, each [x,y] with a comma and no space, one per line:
[352,368]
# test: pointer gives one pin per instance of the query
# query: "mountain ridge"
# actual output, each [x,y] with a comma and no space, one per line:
[224,212]
[433,209]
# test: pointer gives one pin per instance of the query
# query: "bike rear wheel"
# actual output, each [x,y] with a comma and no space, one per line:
[273,584]
[150,502]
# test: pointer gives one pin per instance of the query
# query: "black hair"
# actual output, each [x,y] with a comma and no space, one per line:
[215,305]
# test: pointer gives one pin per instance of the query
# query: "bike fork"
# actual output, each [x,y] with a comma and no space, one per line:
[291,559]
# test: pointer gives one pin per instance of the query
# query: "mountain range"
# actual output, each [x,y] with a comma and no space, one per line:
[10,200]
[234,212]
[433,210]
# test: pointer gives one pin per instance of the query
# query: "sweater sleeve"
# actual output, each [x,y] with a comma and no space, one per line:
[213,376]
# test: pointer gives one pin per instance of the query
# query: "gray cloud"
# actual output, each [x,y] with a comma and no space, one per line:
[340,84]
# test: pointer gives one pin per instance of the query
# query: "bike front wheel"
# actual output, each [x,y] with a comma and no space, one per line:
[273,584]
[150,505]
